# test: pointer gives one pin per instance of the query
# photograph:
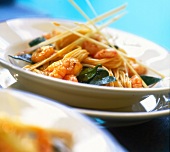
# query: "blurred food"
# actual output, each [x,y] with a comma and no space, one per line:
[16,136]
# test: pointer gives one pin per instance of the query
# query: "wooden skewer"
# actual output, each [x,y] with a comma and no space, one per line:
[101,17]
[100,28]
[109,13]
[79,10]
[112,20]
[56,38]
[87,37]
[83,14]
[91,7]
[89,20]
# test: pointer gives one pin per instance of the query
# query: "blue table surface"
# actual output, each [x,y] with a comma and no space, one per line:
[146,18]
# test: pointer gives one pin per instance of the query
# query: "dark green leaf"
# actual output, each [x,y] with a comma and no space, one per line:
[87,73]
[101,77]
[149,80]
[96,76]
[24,57]
[36,41]
[116,47]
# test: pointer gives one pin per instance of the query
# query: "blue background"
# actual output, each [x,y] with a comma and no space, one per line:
[146,18]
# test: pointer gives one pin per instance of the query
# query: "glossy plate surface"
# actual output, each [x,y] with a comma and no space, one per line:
[21,31]
[35,110]
[146,110]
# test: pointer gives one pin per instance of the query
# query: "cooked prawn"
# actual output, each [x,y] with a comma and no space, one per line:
[66,66]
[43,141]
[136,82]
[99,37]
[91,47]
[70,78]
[51,34]
[140,69]
[106,53]
[42,53]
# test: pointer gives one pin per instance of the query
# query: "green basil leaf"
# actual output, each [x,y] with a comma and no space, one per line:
[102,77]
[36,41]
[149,80]
[87,73]
[23,57]
[95,76]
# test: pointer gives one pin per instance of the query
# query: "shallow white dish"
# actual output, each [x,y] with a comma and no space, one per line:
[35,110]
[20,31]
[146,110]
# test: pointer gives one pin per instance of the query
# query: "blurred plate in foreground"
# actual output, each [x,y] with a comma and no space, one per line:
[35,110]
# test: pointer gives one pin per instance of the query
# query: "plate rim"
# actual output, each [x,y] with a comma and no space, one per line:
[124,115]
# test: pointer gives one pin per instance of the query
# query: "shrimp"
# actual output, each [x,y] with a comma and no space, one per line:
[52,34]
[136,82]
[106,53]
[43,141]
[140,69]
[70,78]
[61,68]
[42,53]
[91,47]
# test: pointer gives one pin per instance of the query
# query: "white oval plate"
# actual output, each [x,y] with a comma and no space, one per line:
[35,110]
[148,109]
[15,34]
